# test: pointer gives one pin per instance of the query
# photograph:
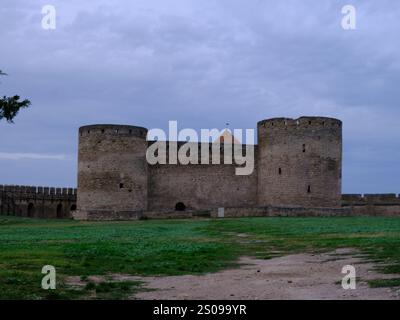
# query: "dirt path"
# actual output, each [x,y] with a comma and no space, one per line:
[300,276]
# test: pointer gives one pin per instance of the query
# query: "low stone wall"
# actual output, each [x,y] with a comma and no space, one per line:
[380,199]
[177,214]
[281,212]
[375,210]
[386,204]
[237,212]
[103,215]
[349,211]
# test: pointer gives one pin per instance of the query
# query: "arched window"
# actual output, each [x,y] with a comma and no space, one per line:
[73,207]
[180,206]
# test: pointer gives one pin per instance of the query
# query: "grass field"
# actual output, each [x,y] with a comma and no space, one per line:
[172,247]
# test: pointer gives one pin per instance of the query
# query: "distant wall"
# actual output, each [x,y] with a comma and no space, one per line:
[37,202]
[372,204]
[370,199]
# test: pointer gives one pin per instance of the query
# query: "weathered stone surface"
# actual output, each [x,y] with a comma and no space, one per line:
[298,163]
[112,168]
[37,202]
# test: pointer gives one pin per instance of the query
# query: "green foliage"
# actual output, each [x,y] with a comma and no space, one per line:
[10,106]
[170,247]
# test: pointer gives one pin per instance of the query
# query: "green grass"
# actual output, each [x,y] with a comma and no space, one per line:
[379,283]
[171,247]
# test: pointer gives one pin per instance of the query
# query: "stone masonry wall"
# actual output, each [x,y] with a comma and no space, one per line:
[112,168]
[297,163]
[300,162]
[372,204]
[200,186]
[37,202]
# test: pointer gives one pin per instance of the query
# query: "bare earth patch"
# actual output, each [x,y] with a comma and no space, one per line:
[297,276]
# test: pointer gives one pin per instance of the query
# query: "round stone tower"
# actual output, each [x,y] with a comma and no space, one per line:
[112,171]
[299,162]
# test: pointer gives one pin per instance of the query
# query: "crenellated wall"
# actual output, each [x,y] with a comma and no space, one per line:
[370,199]
[37,202]
[372,204]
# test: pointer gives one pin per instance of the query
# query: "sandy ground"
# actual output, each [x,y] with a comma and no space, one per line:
[299,276]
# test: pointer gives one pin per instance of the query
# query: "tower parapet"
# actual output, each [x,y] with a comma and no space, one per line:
[299,162]
[112,169]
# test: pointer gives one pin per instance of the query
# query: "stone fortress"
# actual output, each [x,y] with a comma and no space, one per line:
[298,168]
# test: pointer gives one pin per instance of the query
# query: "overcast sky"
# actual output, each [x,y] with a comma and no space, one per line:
[202,63]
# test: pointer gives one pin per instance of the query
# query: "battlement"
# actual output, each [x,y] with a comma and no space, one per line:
[37,202]
[18,191]
[300,123]
[370,199]
[112,129]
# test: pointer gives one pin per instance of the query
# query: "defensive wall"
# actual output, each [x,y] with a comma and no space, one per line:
[37,202]
[47,202]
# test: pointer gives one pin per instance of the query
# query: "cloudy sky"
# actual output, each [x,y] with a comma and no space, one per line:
[202,63]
